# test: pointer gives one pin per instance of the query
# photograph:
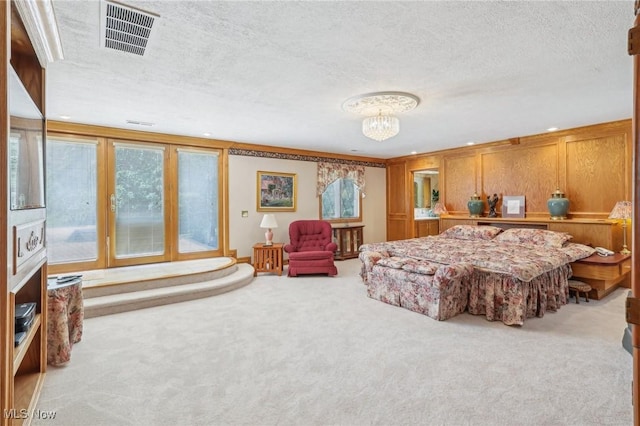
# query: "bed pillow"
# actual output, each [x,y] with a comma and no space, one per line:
[471,232]
[535,237]
[577,251]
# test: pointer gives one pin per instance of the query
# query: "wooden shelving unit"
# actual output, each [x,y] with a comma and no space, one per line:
[30,357]
[23,257]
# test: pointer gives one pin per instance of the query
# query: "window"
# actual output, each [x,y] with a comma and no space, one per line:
[123,202]
[197,201]
[138,201]
[71,201]
[341,202]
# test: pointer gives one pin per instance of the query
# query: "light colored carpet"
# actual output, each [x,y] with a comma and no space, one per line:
[317,351]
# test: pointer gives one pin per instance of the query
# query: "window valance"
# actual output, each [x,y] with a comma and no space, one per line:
[329,172]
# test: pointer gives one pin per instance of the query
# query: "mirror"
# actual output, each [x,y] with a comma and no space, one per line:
[426,190]
[26,148]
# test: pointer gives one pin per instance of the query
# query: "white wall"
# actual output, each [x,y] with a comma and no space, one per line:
[246,231]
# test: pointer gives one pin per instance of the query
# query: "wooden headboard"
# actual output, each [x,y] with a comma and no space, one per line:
[592,232]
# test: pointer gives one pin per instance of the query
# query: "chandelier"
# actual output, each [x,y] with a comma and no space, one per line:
[380,107]
[381,127]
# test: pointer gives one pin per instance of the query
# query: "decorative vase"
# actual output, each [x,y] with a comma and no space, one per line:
[475,206]
[558,205]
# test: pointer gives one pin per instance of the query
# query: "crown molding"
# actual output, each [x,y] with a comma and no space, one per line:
[40,22]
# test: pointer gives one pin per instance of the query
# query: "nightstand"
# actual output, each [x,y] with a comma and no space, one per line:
[267,258]
[603,273]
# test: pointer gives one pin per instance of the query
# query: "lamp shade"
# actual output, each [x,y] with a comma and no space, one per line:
[439,209]
[622,210]
[268,221]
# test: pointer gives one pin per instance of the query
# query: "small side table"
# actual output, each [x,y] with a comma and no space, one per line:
[603,273]
[267,258]
[65,313]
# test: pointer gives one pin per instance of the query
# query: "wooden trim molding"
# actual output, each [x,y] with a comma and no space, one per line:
[266,153]
[235,148]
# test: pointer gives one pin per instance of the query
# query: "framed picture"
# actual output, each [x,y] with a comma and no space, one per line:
[513,206]
[276,192]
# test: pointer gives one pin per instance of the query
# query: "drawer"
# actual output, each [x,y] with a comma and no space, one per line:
[625,266]
[598,272]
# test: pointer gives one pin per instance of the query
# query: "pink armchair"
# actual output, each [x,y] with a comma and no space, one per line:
[311,248]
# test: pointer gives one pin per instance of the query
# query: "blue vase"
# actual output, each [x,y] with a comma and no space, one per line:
[475,206]
[558,205]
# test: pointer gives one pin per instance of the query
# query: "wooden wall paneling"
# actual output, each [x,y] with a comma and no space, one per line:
[459,178]
[399,201]
[523,170]
[534,166]
[423,163]
[597,173]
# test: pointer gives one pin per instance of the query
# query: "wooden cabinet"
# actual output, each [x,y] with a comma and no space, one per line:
[349,239]
[23,257]
[426,227]
[603,273]
[29,358]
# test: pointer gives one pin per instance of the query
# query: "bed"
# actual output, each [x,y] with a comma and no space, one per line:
[506,275]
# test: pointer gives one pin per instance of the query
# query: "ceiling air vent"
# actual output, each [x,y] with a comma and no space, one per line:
[125,28]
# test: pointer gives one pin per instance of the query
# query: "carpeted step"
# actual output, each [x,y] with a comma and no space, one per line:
[123,302]
[147,277]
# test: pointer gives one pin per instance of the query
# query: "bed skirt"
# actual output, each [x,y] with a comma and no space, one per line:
[452,289]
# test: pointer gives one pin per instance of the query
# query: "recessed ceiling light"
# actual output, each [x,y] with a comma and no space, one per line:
[552,129]
[414,152]
[207,134]
[140,123]
[471,143]
[65,117]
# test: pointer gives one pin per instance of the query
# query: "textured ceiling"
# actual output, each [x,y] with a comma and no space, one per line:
[277,73]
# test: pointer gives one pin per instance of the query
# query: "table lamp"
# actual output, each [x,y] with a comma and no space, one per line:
[622,210]
[268,221]
[439,209]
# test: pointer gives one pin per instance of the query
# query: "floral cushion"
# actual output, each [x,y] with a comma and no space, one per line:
[536,237]
[471,232]
[409,264]
[420,267]
[392,262]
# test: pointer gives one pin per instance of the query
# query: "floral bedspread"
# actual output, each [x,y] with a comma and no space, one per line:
[524,262]
[438,291]
[509,283]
